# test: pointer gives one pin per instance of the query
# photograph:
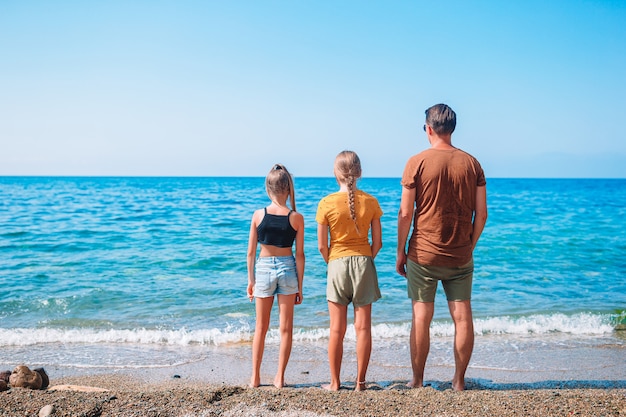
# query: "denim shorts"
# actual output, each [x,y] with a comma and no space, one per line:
[275,275]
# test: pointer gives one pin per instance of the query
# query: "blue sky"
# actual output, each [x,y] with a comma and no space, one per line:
[213,88]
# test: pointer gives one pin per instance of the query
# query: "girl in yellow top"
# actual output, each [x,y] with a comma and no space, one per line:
[346,217]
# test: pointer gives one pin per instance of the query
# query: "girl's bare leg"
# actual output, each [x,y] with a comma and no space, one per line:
[338,322]
[285,309]
[363,329]
[263,310]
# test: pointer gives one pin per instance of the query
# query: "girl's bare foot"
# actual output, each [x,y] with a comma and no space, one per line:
[255,382]
[330,387]
[360,386]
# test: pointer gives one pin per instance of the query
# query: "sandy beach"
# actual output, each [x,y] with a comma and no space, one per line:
[133,397]
[217,386]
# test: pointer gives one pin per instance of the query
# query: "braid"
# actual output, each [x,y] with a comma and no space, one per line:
[347,171]
[351,202]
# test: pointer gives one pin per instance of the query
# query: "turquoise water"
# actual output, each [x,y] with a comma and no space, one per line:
[161,261]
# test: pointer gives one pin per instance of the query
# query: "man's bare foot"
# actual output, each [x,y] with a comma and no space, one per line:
[360,386]
[458,386]
[330,387]
[415,384]
[279,383]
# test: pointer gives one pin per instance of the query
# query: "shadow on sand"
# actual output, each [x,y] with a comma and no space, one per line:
[475,384]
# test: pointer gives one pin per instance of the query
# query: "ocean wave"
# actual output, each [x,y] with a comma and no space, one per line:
[577,324]
[181,337]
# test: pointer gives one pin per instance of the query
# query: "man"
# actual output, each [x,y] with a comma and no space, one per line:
[444,196]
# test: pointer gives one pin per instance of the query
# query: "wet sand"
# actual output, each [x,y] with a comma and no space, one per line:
[574,381]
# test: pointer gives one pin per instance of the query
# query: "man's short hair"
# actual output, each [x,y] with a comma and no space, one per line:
[441,118]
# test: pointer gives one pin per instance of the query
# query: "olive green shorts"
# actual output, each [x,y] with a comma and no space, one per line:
[422,281]
[352,279]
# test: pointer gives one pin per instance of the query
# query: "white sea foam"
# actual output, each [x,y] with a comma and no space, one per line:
[577,324]
[236,315]
[182,337]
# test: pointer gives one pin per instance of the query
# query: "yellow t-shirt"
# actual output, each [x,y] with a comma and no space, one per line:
[334,211]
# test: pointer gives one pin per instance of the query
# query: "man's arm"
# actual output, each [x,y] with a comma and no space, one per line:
[480,214]
[405,218]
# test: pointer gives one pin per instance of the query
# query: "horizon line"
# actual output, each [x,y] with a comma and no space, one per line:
[295,176]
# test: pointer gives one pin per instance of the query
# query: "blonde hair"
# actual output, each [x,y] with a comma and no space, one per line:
[279,182]
[348,171]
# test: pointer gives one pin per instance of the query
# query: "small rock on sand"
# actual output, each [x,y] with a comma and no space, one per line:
[47,411]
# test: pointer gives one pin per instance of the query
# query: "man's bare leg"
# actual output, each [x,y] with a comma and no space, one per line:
[461,312]
[420,340]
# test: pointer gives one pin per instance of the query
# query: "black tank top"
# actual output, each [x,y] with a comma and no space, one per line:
[276,230]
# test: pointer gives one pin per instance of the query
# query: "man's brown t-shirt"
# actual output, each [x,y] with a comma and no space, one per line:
[445,183]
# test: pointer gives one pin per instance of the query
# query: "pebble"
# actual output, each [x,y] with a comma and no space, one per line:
[5,375]
[47,410]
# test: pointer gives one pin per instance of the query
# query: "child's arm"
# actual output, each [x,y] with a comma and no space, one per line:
[252,244]
[377,236]
[300,255]
[322,240]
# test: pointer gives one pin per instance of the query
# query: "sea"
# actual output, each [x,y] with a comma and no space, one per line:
[110,273]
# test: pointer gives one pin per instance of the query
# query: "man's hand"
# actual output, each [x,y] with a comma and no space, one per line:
[401,264]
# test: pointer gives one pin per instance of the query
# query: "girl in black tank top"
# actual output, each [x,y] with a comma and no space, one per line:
[275,228]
